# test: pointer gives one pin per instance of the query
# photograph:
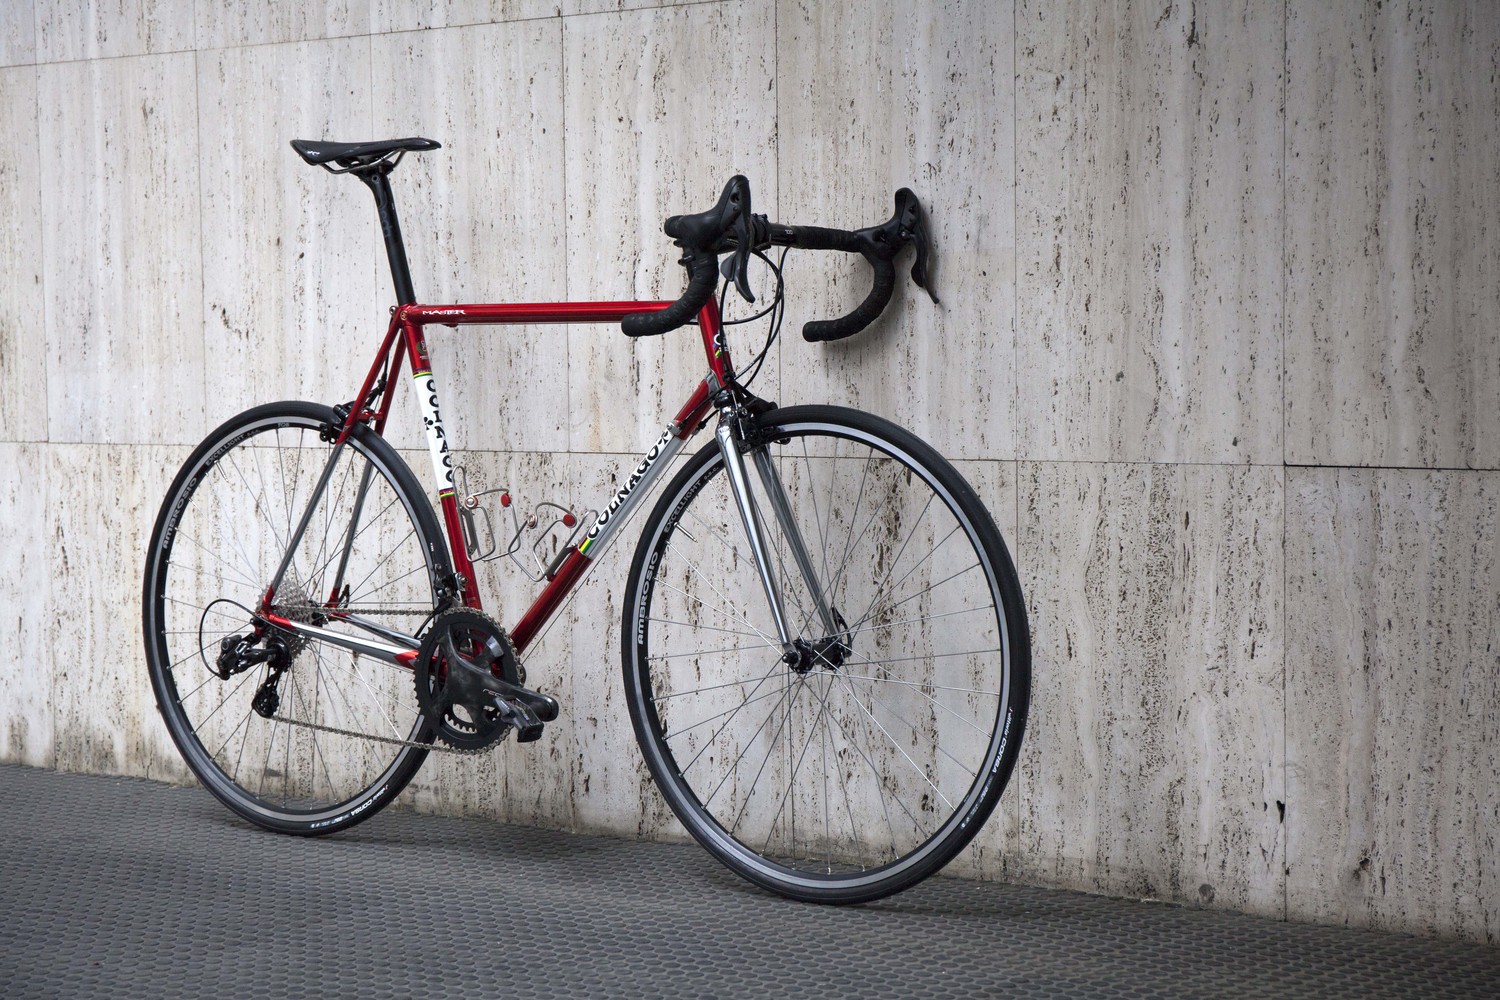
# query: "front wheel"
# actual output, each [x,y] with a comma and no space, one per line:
[866,759]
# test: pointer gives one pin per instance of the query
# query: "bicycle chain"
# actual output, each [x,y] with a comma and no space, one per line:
[434,746]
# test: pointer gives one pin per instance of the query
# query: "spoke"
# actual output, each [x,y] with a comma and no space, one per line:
[663,657]
[718,732]
[233,460]
[865,630]
[770,749]
[699,626]
[875,699]
[311,734]
[368,594]
[724,611]
[229,570]
[729,771]
[658,699]
[928,589]
[850,541]
[320,566]
[869,611]
[384,714]
[237,727]
[286,505]
[223,698]
[899,749]
[879,782]
[213,611]
[915,684]
[727,711]
[930,656]
[790,784]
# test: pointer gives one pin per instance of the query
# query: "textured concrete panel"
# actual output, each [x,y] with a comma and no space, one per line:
[1153,764]
[921,97]
[483,217]
[292,308]
[104,503]
[27,562]
[639,149]
[23,390]
[67,30]
[406,15]
[17,33]
[1149,208]
[120,253]
[1393,234]
[230,23]
[1393,700]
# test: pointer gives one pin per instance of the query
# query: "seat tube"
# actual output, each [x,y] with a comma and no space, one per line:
[739,485]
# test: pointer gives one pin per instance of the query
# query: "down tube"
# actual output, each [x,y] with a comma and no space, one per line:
[619,511]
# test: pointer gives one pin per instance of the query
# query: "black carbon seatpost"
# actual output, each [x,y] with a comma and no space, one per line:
[390,226]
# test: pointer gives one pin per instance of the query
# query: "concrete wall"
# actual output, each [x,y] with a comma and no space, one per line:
[1218,342]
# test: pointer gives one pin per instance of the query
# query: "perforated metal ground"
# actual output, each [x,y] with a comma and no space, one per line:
[118,888]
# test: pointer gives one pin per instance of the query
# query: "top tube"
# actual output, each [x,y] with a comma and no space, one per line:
[715,350]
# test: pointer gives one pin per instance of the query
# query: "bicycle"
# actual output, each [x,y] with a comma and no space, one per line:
[824,644]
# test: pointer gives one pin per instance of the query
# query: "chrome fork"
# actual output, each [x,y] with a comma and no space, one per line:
[731,446]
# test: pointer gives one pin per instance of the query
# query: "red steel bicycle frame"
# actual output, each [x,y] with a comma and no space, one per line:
[404,339]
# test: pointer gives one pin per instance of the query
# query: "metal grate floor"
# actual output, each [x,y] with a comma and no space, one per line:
[121,888]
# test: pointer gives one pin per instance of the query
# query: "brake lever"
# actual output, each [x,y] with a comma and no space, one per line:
[744,243]
[913,228]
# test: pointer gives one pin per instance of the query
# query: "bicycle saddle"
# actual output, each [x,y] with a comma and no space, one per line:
[358,154]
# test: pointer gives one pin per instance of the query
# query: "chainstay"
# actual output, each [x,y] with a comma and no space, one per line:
[409,612]
[434,746]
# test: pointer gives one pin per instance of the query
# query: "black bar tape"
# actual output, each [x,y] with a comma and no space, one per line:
[818,238]
[703,280]
[864,314]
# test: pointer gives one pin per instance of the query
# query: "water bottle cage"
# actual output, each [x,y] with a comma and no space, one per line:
[557,529]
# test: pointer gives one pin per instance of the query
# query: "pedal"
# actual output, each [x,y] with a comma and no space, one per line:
[521,708]
[518,716]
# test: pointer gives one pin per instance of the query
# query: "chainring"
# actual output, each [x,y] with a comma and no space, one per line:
[460,643]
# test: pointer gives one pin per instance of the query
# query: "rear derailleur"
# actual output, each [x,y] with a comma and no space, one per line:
[470,685]
[238,653]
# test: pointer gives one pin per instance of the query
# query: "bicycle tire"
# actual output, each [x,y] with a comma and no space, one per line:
[890,758]
[218,540]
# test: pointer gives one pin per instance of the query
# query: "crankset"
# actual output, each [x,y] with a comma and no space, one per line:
[469,685]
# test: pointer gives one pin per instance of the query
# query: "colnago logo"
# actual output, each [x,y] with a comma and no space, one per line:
[437,441]
[635,477]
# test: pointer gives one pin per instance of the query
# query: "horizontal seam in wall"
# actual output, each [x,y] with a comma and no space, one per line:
[1395,468]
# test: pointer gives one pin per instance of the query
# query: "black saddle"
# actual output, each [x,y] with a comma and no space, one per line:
[354,155]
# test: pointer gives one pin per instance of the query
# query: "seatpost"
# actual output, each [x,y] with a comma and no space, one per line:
[376,180]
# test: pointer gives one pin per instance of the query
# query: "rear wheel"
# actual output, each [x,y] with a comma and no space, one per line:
[294,734]
[868,761]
